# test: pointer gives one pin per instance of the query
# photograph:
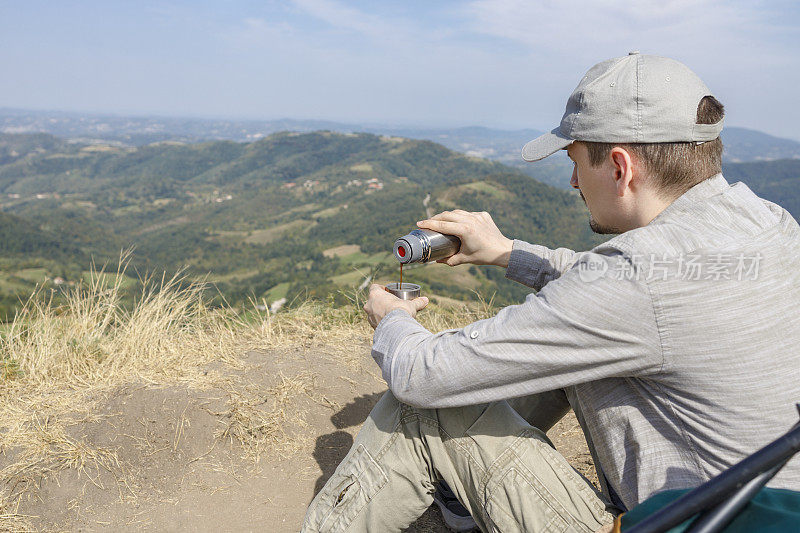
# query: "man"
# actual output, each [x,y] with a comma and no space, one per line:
[675,342]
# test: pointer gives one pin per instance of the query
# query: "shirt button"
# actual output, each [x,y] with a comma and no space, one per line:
[473,335]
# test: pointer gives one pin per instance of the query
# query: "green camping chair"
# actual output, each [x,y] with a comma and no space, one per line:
[733,501]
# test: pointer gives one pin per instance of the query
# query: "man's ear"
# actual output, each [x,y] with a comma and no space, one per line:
[623,170]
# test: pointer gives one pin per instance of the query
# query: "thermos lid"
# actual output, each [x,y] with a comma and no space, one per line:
[403,250]
[410,248]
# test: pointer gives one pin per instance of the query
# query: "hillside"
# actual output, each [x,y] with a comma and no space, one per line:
[20,237]
[290,215]
[504,146]
[743,144]
[777,181]
[174,416]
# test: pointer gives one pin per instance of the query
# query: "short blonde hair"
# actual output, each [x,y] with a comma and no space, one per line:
[675,167]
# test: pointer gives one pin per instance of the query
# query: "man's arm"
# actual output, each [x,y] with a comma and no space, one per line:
[576,329]
[482,243]
[535,266]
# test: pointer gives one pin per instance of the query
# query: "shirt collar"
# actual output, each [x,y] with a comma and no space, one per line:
[705,189]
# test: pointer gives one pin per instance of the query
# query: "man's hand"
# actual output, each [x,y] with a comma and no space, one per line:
[481,241]
[381,302]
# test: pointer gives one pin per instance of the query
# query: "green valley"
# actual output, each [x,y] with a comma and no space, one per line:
[289,217]
[285,218]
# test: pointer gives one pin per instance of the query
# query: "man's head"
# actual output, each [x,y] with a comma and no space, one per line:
[641,130]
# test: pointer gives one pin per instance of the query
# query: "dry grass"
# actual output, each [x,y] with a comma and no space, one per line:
[274,426]
[59,361]
[56,358]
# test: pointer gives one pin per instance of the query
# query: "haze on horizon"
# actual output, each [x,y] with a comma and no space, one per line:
[497,63]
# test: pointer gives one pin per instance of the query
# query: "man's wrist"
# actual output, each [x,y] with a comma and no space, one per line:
[391,312]
[393,308]
[505,254]
[401,307]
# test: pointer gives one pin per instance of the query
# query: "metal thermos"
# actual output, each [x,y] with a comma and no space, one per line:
[424,245]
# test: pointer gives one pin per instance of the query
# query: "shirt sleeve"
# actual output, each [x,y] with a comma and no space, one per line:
[591,323]
[535,265]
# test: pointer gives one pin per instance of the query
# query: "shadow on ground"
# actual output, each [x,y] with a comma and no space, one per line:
[331,449]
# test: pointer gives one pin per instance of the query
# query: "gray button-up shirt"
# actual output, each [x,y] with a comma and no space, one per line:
[678,343]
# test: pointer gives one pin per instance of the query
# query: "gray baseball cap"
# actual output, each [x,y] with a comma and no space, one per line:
[632,99]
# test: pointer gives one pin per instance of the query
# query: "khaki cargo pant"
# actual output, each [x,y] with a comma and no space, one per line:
[495,457]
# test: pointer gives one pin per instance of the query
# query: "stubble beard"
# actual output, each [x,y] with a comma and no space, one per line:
[603,230]
[595,226]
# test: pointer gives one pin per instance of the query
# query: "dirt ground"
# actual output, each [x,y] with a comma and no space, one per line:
[175,464]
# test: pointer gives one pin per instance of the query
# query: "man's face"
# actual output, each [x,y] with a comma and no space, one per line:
[597,189]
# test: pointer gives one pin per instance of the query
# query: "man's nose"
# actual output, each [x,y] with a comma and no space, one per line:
[574,179]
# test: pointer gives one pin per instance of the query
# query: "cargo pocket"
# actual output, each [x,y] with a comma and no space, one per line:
[541,492]
[352,486]
[517,504]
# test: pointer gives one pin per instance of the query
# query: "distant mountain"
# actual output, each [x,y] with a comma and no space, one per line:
[742,145]
[499,145]
[287,215]
[777,181]
[13,147]
[138,131]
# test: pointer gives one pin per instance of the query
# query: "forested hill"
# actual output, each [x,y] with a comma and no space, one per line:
[23,238]
[290,215]
[282,158]
[777,181]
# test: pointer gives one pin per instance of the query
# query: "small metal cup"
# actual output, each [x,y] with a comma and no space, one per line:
[408,291]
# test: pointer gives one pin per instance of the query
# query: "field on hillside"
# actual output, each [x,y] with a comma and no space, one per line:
[270,221]
[172,415]
[263,221]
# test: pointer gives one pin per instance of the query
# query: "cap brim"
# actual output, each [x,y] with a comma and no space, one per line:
[545,145]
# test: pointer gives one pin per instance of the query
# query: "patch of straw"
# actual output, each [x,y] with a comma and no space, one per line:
[259,422]
[59,361]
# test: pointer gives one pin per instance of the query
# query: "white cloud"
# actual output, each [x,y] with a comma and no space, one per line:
[688,27]
[748,52]
[258,32]
[506,61]
[341,16]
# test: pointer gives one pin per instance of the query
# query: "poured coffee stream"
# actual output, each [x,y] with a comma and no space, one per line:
[401,276]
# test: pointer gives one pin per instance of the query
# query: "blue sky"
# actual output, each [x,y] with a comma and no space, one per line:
[499,63]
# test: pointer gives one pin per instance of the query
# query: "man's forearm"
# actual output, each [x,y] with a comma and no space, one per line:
[548,342]
[535,265]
